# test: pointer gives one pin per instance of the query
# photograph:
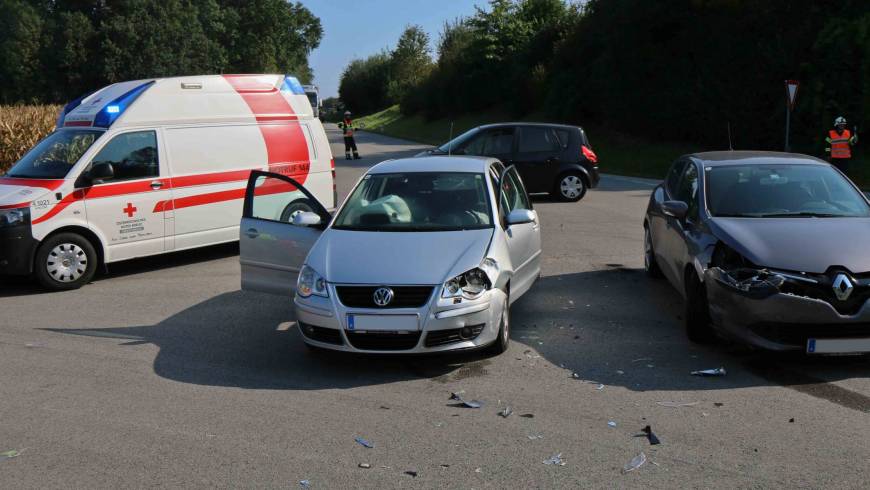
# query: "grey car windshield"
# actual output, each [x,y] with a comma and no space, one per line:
[54,156]
[782,191]
[417,201]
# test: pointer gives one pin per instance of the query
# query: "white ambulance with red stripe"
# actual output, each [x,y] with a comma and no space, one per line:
[151,166]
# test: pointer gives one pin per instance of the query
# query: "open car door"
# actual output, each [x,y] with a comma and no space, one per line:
[274,237]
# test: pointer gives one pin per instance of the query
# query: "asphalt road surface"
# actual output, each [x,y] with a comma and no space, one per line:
[162,373]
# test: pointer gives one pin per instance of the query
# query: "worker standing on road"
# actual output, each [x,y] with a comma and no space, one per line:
[349,144]
[840,142]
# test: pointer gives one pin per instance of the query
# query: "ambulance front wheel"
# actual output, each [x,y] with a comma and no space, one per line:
[65,261]
[298,206]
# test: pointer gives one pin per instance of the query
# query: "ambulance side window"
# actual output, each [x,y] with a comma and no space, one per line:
[132,155]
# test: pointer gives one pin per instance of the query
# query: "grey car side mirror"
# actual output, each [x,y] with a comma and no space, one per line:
[520,216]
[306,218]
[675,209]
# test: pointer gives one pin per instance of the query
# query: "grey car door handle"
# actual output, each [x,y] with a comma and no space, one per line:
[252,233]
[156,184]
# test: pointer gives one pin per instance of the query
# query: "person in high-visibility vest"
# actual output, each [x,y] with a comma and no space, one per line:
[840,142]
[349,144]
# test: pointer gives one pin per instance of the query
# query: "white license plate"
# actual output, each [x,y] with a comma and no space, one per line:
[381,323]
[837,346]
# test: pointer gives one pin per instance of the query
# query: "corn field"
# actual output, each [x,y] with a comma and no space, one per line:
[21,127]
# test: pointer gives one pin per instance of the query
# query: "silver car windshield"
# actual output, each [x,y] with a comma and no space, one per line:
[54,156]
[781,191]
[417,201]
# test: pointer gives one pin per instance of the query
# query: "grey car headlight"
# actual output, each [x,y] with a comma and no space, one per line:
[311,283]
[14,217]
[469,285]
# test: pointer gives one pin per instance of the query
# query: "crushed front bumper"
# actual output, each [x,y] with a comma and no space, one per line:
[774,320]
[323,323]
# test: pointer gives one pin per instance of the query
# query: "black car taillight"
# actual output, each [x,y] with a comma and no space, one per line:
[589,154]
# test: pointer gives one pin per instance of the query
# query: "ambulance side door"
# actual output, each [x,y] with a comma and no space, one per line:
[125,188]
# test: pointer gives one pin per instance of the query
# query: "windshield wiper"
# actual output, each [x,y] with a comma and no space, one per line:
[804,214]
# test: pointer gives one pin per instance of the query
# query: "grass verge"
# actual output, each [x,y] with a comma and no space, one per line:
[617,153]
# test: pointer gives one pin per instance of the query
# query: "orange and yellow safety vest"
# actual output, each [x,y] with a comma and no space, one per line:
[841,143]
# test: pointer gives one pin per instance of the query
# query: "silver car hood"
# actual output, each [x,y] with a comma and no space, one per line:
[360,257]
[799,244]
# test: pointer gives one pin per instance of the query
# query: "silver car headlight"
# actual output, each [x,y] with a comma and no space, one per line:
[14,217]
[469,285]
[311,283]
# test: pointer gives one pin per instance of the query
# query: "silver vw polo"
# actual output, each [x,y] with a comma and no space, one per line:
[425,255]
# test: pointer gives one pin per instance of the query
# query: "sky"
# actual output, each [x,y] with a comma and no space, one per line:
[356,29]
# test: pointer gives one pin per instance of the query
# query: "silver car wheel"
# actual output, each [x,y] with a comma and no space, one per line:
[571,186]
[66,262]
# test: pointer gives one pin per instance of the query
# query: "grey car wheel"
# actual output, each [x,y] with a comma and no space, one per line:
[649,256]
[504,332]
[65,261]
[570,187]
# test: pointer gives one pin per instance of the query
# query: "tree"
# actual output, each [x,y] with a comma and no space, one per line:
[21,33]
[410,62]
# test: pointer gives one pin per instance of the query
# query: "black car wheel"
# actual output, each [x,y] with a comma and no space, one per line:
[570,187]
[294,208]
[697,312]
[65,261]
[649,255]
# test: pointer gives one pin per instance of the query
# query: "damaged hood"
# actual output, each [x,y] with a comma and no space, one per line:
[357,257]
[798,244]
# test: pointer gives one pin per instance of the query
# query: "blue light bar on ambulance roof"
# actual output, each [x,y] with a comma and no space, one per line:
[69,107]
[115,108]
[292,85]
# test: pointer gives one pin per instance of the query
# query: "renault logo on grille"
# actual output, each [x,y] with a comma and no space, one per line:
[383,296]
[842,287]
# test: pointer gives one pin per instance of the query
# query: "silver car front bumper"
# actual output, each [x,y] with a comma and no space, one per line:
[323,323]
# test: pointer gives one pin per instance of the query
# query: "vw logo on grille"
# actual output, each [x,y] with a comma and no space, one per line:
[843,287]
[383,296]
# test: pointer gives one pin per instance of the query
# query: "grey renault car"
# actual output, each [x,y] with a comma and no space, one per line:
[425,255]
[767,248]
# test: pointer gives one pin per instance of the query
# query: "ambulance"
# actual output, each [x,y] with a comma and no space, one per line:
[147,167]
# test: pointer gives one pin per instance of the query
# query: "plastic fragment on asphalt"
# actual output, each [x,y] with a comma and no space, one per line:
[411,473]
[555,459]
[528,415]
[9,454]
[364,443]
[463,403]
[677,404]
[365,465]
[643,359]
[620,372]
[575,375]
[611,424]
[648,433]
[506,412]
[478,470]
[635,463]
[599,387]
[305,483]
[710,372]
[535,437]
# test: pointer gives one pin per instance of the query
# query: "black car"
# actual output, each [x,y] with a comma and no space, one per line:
[766,248]
[551,158]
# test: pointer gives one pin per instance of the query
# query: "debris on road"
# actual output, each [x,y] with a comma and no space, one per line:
[611,424]
[620,372]
[34,344]
[528,415]
[791,421]
[599,387]
[643,359]
[411,473]
[648,433]
[364,443]
[9,454]
[535,437]
[677,404]
[305,483]
[384,407]
[718,404]
[365,465]
[463,403]
[635,463]
[710,372]
[575,375]
[555,459]
[506,412]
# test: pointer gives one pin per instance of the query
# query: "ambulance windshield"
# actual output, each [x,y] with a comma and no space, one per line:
[54,156]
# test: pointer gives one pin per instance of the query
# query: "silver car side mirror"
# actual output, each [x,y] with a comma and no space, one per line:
[306,218]
[520,216]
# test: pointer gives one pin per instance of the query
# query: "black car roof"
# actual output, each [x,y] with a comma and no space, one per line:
[549,125]
[721,158]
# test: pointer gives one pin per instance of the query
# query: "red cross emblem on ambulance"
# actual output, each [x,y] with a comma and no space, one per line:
[130,210]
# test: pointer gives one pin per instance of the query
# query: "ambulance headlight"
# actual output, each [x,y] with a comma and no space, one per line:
[14,217]
[311,283]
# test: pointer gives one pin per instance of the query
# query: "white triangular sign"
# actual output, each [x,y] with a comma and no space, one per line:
[791,87]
